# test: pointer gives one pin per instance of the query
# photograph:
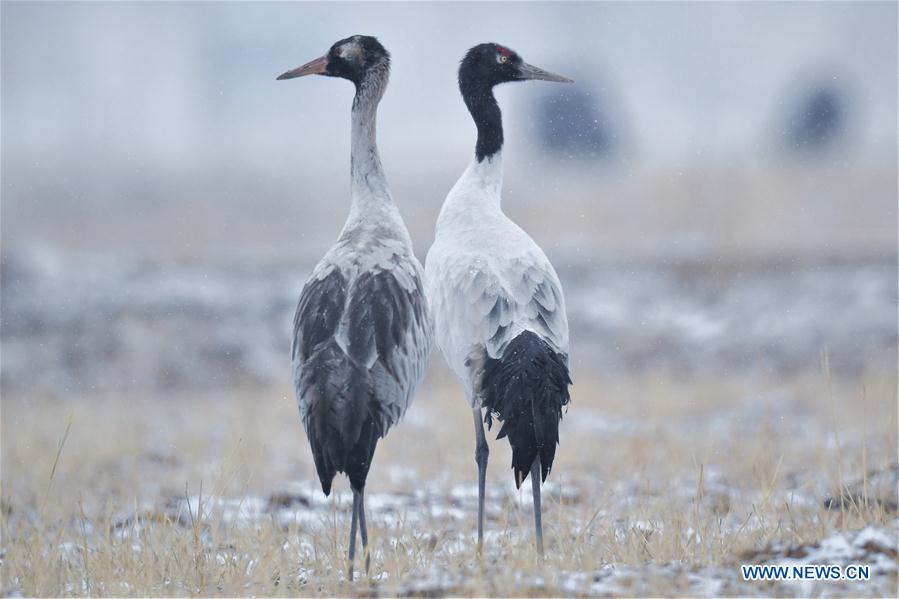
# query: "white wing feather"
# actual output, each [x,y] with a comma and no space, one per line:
[484,294]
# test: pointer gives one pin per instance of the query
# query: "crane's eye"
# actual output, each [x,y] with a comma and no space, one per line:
[502,58]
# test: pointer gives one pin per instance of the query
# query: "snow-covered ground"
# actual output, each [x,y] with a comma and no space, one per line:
[430,530]
[660,486]
[102,323]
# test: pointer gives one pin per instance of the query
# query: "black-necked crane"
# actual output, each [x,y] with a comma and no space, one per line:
[362,332]
[498,307]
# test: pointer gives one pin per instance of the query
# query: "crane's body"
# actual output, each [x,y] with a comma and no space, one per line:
[488,281]
[362,337]
[362,332]
[498,305]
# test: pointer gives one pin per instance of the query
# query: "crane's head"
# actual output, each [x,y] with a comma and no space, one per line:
[492,64]
[351,58]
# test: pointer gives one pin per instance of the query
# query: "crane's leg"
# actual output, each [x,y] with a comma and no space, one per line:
[353,535]
[363,530]
[536,477]
[481,452]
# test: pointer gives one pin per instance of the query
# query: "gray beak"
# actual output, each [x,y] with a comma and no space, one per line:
[313,67]
[529,71]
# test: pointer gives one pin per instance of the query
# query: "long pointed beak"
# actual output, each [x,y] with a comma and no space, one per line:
[529,71]
[313,67]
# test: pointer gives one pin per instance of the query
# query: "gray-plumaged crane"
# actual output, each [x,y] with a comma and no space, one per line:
[362,332]
[498,307]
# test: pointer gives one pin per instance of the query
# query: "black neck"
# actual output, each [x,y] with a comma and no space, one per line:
[478,96]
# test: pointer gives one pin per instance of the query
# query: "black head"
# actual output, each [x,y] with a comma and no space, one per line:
[484,66]
[491,64]
[350,58]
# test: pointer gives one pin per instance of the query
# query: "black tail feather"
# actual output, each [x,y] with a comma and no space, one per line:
[526,390]
[343,422]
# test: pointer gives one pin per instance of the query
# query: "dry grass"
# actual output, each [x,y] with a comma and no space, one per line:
[663,485]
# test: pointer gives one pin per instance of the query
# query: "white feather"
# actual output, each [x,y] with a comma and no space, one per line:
[486,279]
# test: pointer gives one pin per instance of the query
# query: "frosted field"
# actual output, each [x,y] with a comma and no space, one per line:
[660,486]
[151,444]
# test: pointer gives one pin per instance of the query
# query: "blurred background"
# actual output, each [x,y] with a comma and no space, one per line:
[718,190]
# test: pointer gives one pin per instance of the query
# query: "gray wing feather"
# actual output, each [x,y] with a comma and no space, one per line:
[317,318]
[379,318]
[318,313]
[388,328]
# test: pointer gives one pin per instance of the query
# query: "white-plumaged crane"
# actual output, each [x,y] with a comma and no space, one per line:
[362,332]
[498,307]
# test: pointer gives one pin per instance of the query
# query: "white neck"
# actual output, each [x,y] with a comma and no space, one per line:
[478,191]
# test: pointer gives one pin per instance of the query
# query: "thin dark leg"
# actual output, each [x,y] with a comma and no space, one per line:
[481,452]
[352,551]
[536,476]
[352,555]
[364,530]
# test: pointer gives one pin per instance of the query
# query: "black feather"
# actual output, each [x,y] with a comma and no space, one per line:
[344,420]
[318,313]
[349,404]
[381,313]
[525,390]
